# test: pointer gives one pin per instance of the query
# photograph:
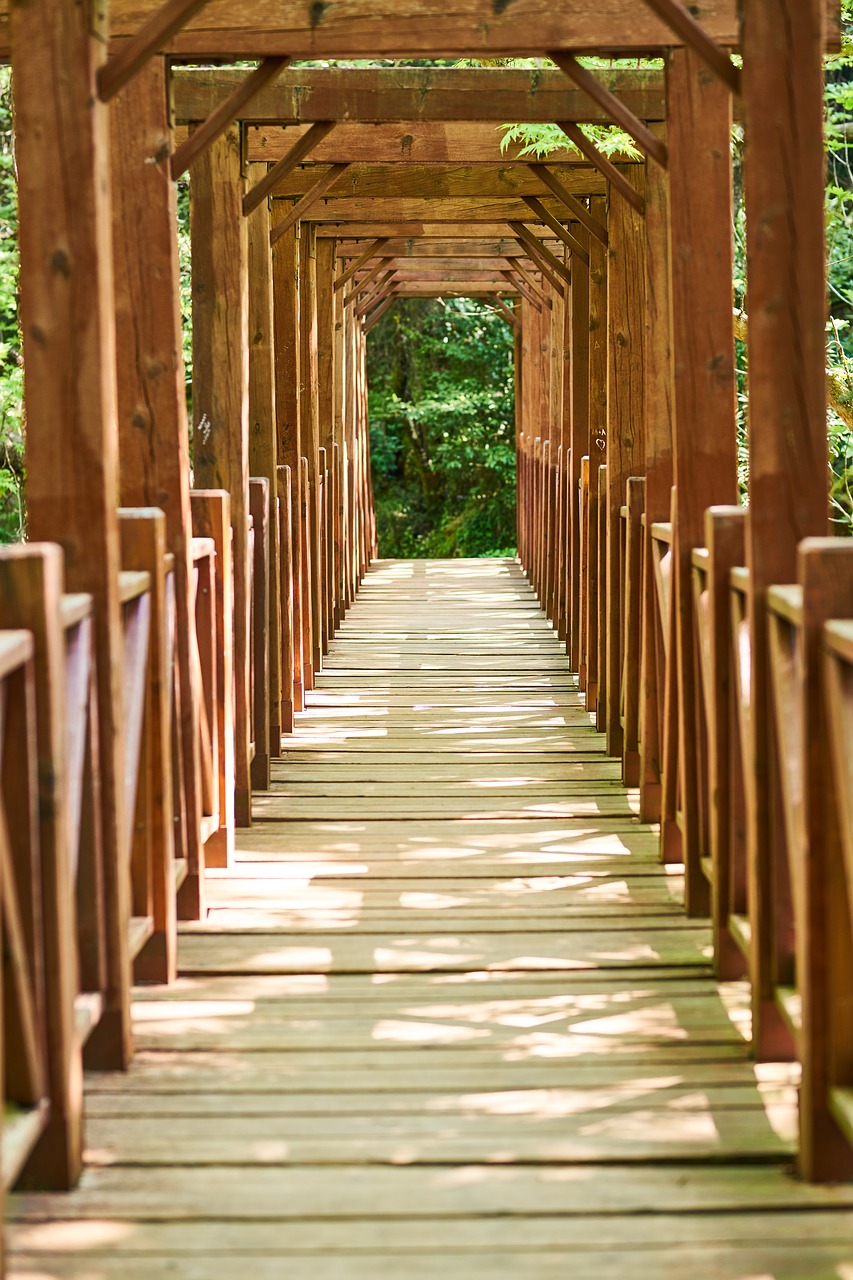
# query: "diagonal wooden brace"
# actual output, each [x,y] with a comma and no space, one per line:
[520,276]
[602,164]
[361,285]
[575,207]
[282,168]
[625,118]
[498,305]
[218,121]
[356,266]
[546,257]
[545,215]
[517,283]
[693,34]
[149,39]
[310,198]
[370,320]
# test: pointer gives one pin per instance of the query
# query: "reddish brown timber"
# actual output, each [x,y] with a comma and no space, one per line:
[609,102]
[135,52]
[544,254]
[545,215]
[437,181]
[373,96]
[219,120]
[604,166]
[508,314]
[580,211]
[317,191]
[683,24]
[364,257]
[298,152]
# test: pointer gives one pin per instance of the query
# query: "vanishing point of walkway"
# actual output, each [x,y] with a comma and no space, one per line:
[447,1017]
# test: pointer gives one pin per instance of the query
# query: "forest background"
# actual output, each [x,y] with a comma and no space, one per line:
[440,372]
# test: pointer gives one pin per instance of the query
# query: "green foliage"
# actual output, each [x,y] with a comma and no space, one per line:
[442,429]
[11,371]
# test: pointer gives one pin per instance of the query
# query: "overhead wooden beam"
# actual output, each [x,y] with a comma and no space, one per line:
[580,211]
[375,96]
[635,128]
[412,229]
[406,144]
[370,252]
[508,314]
[308,200]
[391,209]
[151,37]
[545,255]
[302,148]
[361,285]
[604,166]
[548,274]
[545,215]
[682,22]
[219,120]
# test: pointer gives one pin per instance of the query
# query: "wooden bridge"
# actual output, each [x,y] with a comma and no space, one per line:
[515,898]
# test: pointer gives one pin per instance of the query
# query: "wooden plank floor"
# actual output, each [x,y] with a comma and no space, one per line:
[447,1017]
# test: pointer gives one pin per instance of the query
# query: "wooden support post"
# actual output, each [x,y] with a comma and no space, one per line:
[658,413]
[152,406]
[339,455]
[782,45]
[309,428]
[326,301]
[286,594]
[632,570]
[259,507]
[705,442]
[263,452]
[221,392]
[626,295]
[69,348]
[285,274]
[31,585]
[597,443]
[578,339]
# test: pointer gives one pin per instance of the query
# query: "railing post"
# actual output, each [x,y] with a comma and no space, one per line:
[286,592]
[30,591]
[211,512]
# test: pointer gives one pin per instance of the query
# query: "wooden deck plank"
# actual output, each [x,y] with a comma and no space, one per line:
[446,1011]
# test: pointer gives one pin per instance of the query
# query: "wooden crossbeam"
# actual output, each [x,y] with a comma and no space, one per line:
[219,120]
[377,96]
[682,22]
[604,166]
[361,285]
[562,233]
[308,200]
[522,288]
[508,314]
[151,37]
[364,258]
[282,167]
[635,128]
[580,211]
[546,257]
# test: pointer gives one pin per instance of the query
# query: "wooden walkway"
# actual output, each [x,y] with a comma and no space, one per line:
[447,1017]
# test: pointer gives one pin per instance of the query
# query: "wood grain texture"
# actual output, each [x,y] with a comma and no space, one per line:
[474,1044]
